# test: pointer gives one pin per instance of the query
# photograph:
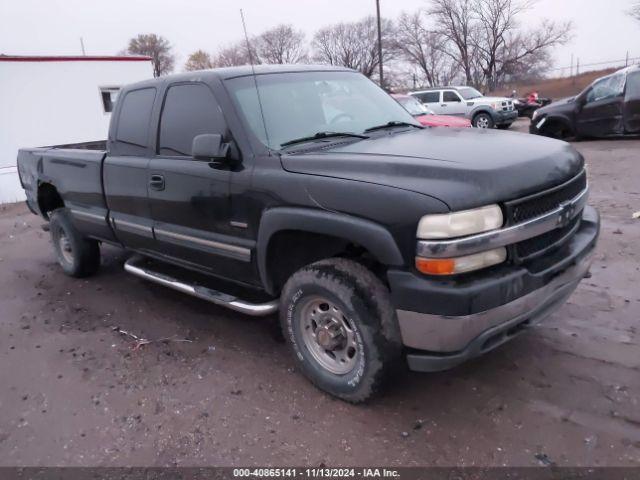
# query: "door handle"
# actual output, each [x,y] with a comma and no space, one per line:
[156,182]
[443,105]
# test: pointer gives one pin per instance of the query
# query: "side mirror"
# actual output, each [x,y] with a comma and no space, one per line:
[209,146]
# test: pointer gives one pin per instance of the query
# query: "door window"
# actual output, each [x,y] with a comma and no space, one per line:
[189,110]
[429,97]
[609,87]
[633,86]
[450,97]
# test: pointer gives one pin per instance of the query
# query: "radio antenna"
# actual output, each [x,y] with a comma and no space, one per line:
[255,79]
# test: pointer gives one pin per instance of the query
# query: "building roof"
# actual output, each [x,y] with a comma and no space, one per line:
[73,58]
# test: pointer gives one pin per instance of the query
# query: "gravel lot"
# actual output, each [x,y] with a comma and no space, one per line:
[75,392]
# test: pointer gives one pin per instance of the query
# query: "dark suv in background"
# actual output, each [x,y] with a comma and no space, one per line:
[610,106]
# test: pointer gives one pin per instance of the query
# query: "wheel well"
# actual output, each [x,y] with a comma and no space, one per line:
[557,128]
[290,250]
[48,199]
[480,112]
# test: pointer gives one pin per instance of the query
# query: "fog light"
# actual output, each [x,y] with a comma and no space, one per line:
[452,266]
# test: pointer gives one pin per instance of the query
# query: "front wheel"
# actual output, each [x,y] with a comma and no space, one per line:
[483,120]
[341,327]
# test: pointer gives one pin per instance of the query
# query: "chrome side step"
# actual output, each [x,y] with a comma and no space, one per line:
[213,296]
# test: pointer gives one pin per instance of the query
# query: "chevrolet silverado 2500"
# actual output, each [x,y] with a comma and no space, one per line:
[310,192]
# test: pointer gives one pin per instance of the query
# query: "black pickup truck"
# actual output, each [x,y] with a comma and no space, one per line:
[309,191]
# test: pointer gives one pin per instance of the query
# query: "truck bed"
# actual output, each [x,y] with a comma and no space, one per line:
[75,171]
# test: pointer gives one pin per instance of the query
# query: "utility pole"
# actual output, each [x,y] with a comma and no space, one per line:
[82,46]
[626,62]
[571,70]
[380,44]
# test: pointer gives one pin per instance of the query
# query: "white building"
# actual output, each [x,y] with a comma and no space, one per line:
[57,100]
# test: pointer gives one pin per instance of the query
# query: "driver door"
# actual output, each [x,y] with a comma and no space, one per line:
[452,104]
[190,199]
[602,112]
[632,103]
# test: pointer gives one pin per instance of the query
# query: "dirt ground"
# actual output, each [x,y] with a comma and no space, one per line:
[73,392]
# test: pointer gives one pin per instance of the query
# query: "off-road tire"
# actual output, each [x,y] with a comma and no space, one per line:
[480,117]
[77,255]
[366,303]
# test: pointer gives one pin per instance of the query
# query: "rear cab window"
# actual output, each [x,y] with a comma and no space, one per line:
[132,135]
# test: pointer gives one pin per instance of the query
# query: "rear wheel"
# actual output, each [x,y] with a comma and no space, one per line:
[342,330]
[77,255]
[483,120]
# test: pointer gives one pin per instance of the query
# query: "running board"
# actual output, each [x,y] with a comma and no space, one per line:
[213,296]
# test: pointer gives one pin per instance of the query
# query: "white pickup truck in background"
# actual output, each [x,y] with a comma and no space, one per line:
[484,112]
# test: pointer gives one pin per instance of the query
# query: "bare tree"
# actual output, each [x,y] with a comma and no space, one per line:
[499,45]
[353,45]
[281,44]
[454,20]
[635,11]
[236,54]
[156,47]
[198,60]
[530,50]
[423,48]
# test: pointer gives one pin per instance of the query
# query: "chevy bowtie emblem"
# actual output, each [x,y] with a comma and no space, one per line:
[567,211]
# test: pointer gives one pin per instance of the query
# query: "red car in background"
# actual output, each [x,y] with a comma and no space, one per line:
[426,117]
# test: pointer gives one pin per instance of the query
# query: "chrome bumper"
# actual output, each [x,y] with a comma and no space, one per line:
[443,334]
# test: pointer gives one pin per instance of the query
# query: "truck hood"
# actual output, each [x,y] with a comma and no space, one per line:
[465,168]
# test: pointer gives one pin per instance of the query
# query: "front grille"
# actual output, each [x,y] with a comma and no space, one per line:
[537,205]
[533,247]
[521,210]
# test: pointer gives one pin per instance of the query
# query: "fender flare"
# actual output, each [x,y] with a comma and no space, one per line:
[563,120]
[372,236]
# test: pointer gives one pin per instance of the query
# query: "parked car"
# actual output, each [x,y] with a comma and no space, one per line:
[427,117]
[529,104]
[610,106]
[312,193]
[484,112]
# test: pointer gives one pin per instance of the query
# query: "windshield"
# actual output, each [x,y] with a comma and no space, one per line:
[412,105]
[301,104]
[469,93]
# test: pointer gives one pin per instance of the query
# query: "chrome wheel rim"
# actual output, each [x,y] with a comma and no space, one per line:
[482,122]
[65,247]
[329,335]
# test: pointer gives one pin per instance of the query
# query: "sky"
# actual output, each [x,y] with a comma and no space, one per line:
[602,31]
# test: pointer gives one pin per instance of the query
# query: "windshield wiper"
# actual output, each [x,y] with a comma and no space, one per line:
[393,123]
[320,135]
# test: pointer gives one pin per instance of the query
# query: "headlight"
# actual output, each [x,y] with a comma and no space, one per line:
[454,266]
[460,224]
[535,114]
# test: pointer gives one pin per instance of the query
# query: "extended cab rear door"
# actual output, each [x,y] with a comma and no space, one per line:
[191,199]
[632,103]
[125,169]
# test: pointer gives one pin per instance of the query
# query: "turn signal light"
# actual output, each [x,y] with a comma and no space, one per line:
[452,266]
[436,266]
